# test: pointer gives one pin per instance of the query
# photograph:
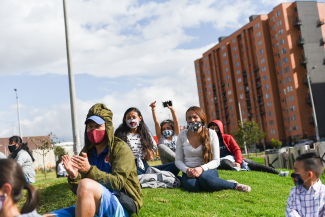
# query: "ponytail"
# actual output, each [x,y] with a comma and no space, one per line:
[32,199]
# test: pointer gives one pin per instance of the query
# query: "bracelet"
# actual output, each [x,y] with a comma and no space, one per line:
[152,109]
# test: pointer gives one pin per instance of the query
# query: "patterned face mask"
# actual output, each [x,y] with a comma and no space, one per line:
[132,123]
[167,133]
[195,126]
[297,179]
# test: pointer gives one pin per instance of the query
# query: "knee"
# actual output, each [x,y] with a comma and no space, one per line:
[85,187]
[191,185]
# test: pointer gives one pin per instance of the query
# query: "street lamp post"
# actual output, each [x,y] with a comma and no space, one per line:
[20,132]
[312,103]
[75,128]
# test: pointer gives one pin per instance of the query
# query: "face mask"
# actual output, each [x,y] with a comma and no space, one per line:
[167,133]
[195,126]
[297,179]
[2,200]
[12,148]
[96,136]
[132,123]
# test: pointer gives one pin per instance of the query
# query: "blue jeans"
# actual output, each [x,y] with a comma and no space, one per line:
[208,181]
[171,167]
[27,179]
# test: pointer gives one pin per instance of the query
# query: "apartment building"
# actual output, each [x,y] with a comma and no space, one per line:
[260,72]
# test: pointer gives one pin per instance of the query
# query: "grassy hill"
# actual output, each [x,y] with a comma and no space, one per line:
[267,198]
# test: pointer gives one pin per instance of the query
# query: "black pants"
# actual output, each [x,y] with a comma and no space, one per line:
[228,165]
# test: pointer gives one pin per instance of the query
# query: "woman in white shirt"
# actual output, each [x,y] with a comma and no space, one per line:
[167,133]
[197,155]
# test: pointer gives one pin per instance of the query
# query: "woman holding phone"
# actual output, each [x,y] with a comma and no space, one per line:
[136,134]
[167,133]
[197,155]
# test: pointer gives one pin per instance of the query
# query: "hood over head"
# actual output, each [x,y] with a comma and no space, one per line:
[220,125]
[102,111]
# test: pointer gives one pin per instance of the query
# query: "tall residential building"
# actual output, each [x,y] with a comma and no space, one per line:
[263,67]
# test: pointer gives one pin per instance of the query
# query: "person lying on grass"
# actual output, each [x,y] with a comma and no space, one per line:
[230,154]
[104,176]
[12,183]
[197,155]
[167,132]
[308,197]
[136,134]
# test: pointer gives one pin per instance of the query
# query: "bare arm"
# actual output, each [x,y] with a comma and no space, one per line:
[175,118]
[155,119]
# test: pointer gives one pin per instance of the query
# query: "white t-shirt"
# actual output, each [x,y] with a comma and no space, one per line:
[169,143]
[189,157]
[134,141]
[60,169]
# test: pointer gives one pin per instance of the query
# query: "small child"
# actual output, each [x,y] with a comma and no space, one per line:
[308,197]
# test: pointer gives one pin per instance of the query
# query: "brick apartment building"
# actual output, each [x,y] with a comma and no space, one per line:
[263,67]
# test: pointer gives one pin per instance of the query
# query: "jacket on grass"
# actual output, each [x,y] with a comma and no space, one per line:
[124,171]
[230,142]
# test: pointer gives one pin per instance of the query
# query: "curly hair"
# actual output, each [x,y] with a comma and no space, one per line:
[204,134]
[142,130]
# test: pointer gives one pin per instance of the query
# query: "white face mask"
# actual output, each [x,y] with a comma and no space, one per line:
[2,200]
[132,123]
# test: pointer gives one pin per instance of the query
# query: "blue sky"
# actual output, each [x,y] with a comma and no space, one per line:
[125,53]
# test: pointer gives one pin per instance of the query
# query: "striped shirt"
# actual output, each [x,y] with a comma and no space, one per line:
[303,202]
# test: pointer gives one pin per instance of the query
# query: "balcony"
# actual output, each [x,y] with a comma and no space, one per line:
[262,112]
[259,94]
[249,107]
[217,109]
[256,68]
[246,90]
[321,22]
[301,41]
[225,106]
[218,117]
[311,120]
[308,101]
[224,99]
[244,73]
[214,87]
[222,83]
[304,61]
[258,85]
[250,115]
[247,99]
[215,98]
[216,102]
[298,22]
[227,113]
[245,81]
[227,121]
[305,82]
[257,76]
[223,92]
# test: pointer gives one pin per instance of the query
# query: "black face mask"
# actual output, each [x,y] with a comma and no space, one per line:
[12,148]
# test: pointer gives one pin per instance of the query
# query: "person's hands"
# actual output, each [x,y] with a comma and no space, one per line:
[153,105]
[81,163]
[189,172]
[237,165]
[197,171]
[168,106]
[72,171]
[149,155]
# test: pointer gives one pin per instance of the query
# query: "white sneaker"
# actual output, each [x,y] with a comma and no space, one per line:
[233,181]
[284,173]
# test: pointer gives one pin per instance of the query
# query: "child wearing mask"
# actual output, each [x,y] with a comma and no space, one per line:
[167,133]
[308,197]
[136,134]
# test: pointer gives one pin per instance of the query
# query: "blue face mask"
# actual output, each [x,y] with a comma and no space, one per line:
[167,133]
[297,179]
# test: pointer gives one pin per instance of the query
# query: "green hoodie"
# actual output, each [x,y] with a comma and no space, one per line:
[124,171]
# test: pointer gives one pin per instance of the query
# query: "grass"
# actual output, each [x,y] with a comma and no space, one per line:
[267,198]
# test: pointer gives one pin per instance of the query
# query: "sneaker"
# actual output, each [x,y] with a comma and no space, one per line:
[233,181]
[284,173]
[243,188]
[235,168]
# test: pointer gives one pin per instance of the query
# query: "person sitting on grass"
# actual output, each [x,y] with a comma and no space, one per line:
[197,155]
[136,134]
[167,132]
[60,171]
[231,156]
[104,176]
[308,197]
[12,183]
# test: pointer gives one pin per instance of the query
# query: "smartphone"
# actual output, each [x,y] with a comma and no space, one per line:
[170,103]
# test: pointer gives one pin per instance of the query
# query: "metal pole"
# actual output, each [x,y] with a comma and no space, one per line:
[75,128]
[20,132]
[241,122]
[312,104]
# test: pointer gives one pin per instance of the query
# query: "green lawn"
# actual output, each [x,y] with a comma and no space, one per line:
[267,198]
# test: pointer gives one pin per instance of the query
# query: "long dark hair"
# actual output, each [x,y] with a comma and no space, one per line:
[12,173]
[169,122]
[204,134]
[22,146]
[143,131]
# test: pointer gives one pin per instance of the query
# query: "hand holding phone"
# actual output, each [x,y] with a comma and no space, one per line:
[167,103]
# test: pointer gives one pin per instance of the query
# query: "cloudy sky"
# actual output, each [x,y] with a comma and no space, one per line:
[124,53]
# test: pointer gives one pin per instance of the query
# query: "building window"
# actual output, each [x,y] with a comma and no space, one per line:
[266,86]
[243,112]
[257,25]
[279,23]
[223,47]
[229,92]
[201,97]
[199,84]
[286,69]
[239,80]
[284,50]
[210,93]
[285,60]
[233,40]
[226,69]
[264,69]
[232,107]
[205,58]
[241,96]
[197,71]
[288,79]
[289,89]
[295,127]
[237,64]
[258,34]
[230,100]
[268,104]
[267,96]
[261,51]
[227,77]
[262,60]
[264,77]
[240,88]
[238,72]
[207,72]
[212,113]
[292,108]
[271,122]
[281,42]
[201,103]
[208,79]
[211,106]
[290,98]
[293,117]
[235,56]
[228,84]
[206,65]
[197,65]
[259,43]
[272,132]
[198,78]
[224,54]
[234,48]
[200,90]
[280,32]
[270,113]
[277,14]
[233,115]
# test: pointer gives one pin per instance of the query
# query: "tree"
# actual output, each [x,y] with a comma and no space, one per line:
[59,151]
[45,146]
[248,133]
[276,143]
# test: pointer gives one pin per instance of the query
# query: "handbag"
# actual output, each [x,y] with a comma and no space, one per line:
[127,203]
